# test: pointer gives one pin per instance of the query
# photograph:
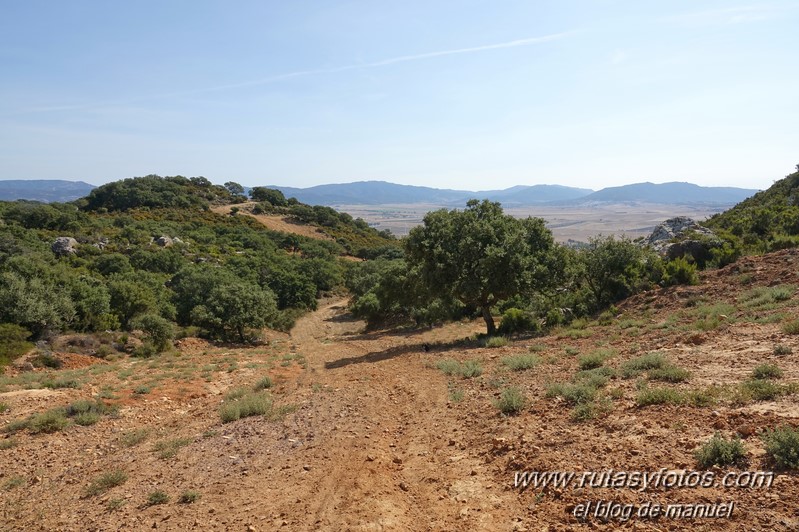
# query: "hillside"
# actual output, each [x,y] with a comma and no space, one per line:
[669,193]
[382,193]
[45,190]
[768,220]
[371,430]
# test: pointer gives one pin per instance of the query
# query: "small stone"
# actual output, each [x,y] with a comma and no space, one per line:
[306,467]
[403,486]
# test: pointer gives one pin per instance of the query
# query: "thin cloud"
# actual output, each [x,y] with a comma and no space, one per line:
[313,72]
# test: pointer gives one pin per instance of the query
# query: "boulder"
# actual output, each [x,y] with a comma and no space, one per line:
[164,241]
[683,236]
[64,245]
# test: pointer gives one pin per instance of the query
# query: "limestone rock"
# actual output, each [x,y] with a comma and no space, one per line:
[683,236]
[64,245]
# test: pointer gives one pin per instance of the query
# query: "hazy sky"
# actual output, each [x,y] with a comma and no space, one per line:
[466,94]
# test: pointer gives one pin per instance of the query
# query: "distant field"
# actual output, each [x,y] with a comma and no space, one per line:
[566,222]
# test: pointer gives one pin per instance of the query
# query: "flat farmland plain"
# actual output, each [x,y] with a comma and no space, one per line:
[575,222]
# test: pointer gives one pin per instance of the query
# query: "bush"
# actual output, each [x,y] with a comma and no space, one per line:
[574,394]
[159,331]
[761,390]
[511,401]
[782,350]
[636,366]
[496,341]
[515,321]
[467,370]
[767,371]
[13,343]
[105,482]
[720,451]
[521,362]
[157,497]
[48,422]
[594,359]
[782,445]
[189,497]
[251,404]
[792,327]
[680,271]
[657,396]
[169,448]
[263,384]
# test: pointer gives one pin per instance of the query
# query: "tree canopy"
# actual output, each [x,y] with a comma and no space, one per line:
[481,256]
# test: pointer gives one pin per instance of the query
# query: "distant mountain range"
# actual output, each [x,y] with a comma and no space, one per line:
[381,193]
[46,190]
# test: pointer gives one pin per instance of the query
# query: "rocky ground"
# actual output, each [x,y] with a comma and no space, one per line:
[367,431]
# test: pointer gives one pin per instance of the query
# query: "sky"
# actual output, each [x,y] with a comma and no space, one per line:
[466,94]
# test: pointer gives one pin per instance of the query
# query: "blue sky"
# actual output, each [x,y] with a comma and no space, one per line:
[466,94]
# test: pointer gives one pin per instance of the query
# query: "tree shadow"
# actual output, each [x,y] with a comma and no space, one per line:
[392,352]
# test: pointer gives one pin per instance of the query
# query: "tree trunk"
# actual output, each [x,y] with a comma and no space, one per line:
[489,319]
[240,330]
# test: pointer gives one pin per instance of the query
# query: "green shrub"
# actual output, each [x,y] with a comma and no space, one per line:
[573,393]
[516,321]
[47,422]
[646,362]
[134,437]
[159,331]
[263,384]
[105,482]
[594,359]
[511,401]
[62,382]
[761,390]
[657,396]
[592,410]
[767,371]
[791,327]
[471,369]
[496,341]
[252,404]
[782,350]
[13,343]
[720,451]
[468,369]
[157,497]
[7,443]
[169,448]
[449,366]
[680,271]
[782,445]
[189,497]
[4,407]
[521,362]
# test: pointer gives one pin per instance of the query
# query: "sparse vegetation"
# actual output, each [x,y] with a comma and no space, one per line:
[782,350]
[594,359]
[468,369]
[157,497]
[511,401]
[169,448]
[767,371]
[189,497]
[249,404]
[105,482]
[657,396]
[720,451]
[791,327]
[521,362]
[496,341]
[264,384]
[134,437]
[782,446]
